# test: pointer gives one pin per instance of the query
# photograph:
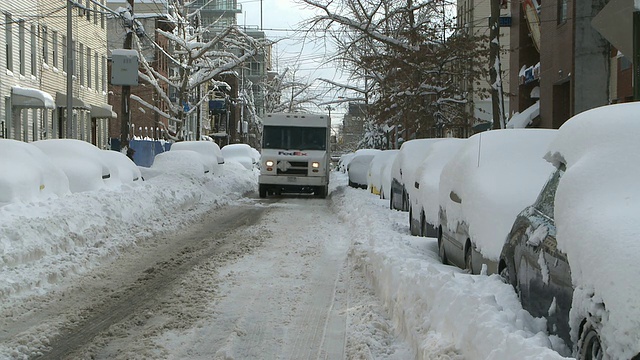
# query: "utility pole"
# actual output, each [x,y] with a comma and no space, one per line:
[70,71]
[636,55]
[495,68]
[126,89]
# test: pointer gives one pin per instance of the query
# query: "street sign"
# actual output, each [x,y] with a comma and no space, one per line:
[615,23]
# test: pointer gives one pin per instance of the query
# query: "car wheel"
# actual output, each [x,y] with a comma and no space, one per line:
[441,252]
[589,347]
[412,227]
[468,261]
[391,201]
[263,191]
[381,194]
[423,224]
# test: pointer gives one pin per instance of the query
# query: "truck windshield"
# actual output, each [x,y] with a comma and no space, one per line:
[294,138]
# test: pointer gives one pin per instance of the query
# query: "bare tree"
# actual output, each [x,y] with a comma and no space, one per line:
[288,92]
[201,54]
[410,53]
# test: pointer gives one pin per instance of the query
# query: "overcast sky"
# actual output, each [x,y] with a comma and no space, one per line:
[280,20]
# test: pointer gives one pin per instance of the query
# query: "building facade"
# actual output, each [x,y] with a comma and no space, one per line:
[564,62]
[155,48]
[34,55]
[473,16]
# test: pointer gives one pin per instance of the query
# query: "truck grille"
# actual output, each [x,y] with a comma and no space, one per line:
[295,168]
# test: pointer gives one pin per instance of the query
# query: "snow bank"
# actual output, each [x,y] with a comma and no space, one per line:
[46,241]
[428,301]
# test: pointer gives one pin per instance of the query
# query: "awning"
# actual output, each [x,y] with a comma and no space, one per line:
[103,111]
[521,120]
[30,98]
[61,101]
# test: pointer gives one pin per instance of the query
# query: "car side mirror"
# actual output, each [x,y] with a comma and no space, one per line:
[454,197]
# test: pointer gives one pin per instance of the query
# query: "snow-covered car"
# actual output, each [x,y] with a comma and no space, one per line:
[240,153]
[358,168]
[379,176]
[123,170]
[403,171]
[344,161]
[27,174]
[212,157]
[82,162]
[423,213]
[489,180]
[184,162]
[572,256]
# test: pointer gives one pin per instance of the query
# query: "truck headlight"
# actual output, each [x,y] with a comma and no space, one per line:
[315,164]
[269,163]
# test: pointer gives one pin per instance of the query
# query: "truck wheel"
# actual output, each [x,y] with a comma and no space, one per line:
[262,190]
[321,191]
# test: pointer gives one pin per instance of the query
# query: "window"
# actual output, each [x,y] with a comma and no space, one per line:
[95,70]
[545,201]
[95,14]
[87,10]
[54,51]
[254,68]
[89,67]
[625,64]
[563,11]
[81,63]
[104,74]
[45,45]
[34,49]
[21,47]
[9,41]
[64,53]
[294,138]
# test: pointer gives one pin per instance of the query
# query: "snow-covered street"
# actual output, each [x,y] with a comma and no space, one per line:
[200,268]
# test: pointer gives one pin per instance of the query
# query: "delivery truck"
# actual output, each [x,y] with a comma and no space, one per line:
[295,155]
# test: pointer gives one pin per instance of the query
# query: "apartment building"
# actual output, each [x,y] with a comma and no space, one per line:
[24,108]
[565,64]
[34,81]
[145,123]
[473,16]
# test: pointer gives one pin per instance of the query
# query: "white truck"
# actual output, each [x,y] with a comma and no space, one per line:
[295,155]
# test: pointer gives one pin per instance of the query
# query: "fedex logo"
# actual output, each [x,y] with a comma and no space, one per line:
[292,153]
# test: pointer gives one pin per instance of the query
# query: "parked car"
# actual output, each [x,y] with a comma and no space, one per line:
[212,157]
[82,162]
[28,174]
[403,171]
[423,213]
[183,162]
[358,168]
[123,170]
[491,178]
[572,255]
[379,176]
[344,161]
[240,153]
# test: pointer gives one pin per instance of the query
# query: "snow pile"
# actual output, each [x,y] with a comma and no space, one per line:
[496,174]
[42,243]
[440,310]
[597,212]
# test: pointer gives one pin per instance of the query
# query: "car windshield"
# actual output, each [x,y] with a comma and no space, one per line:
[294,138]
[545,202]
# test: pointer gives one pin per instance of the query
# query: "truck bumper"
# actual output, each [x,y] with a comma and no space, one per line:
[293,181]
